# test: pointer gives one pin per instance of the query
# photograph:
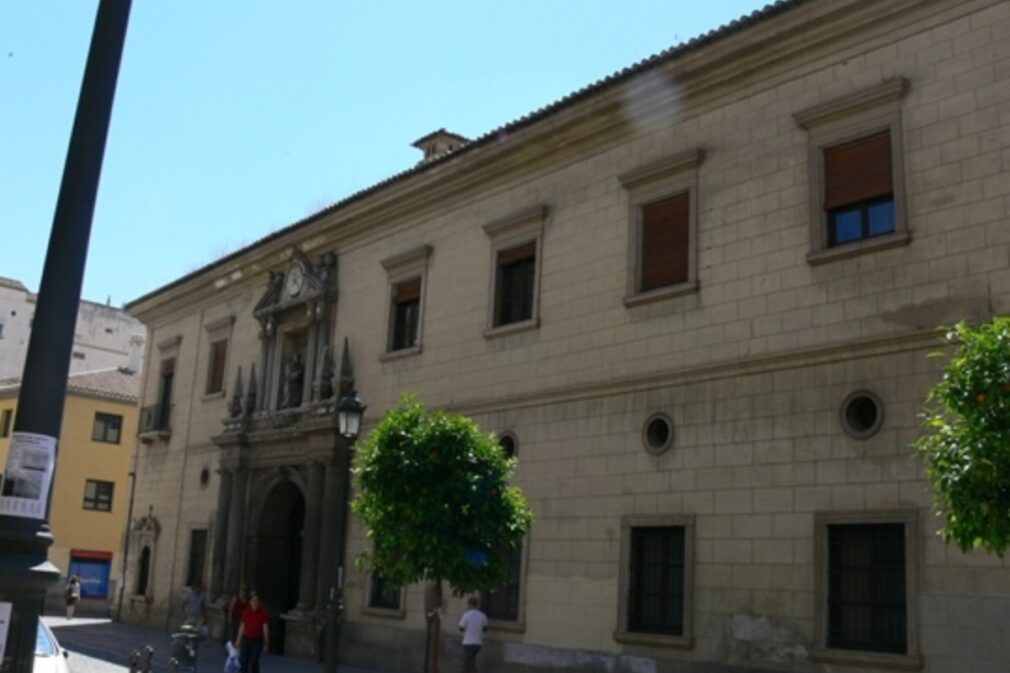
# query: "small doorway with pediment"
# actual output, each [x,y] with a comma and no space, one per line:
[279,555]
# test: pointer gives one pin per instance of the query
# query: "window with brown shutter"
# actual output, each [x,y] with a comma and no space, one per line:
[516,277]
[406,310]
[665,239]
[859,189]
[215,368]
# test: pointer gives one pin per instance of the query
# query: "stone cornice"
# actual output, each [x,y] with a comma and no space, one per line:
[221,323]
[516,220]
[410,257]
[753,55]
[664,167]
[888,91]
[809,357]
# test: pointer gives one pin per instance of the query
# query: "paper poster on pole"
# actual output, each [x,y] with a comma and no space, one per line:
[28,476]
[5,623]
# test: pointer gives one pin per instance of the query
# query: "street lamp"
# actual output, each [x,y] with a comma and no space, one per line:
[350,410]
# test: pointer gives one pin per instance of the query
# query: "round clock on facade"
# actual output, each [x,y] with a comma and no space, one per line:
[295,281]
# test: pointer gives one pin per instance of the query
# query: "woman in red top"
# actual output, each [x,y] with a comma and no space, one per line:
[253,635]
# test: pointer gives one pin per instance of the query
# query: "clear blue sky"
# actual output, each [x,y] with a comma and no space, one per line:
[236,117]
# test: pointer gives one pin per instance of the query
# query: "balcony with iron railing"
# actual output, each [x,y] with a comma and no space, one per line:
[154,422]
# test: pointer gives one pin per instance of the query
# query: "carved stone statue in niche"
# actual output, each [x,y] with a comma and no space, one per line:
[296,313]
[294,378]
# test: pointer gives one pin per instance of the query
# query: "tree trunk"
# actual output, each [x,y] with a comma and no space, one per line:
[433,613]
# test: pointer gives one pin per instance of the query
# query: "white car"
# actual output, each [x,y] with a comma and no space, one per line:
[49,656]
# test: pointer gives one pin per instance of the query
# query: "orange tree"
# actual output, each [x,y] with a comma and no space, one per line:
[966,446]
[434,493]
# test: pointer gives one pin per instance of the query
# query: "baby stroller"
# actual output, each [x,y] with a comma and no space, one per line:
[186,647]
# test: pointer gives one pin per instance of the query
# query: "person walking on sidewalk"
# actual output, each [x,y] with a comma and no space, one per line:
[194,606]
[239,602]
[72,593]
[253,635]
[473,624]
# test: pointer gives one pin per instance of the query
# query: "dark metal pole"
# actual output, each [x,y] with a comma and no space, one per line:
[126,540]
[25,572]
[335,606]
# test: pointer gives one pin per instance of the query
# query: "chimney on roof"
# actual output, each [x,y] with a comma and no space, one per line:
[439,143]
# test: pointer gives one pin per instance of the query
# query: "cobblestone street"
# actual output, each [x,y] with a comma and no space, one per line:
[104,646]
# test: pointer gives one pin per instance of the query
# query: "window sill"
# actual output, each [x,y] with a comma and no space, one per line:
[895,662]
[505,625]
[655,640]
[863,247]
[219,395]
[661,293]
[512,328]
[385,613]
[400,354]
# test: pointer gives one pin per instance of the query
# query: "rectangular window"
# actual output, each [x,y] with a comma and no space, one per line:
[78,355]
[665,243]
[5,422]
[98,495]
[1,330]
[867,608]
[503,604]
[197,556]
[406,310]
[107,428]
[656,580]
[516,274]
[215,366]
[859,189]
[383,594]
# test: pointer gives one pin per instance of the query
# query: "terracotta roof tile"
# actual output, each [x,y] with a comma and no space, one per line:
[112,383]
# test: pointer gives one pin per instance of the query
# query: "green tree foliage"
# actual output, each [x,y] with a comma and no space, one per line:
[967,442]
[433,490]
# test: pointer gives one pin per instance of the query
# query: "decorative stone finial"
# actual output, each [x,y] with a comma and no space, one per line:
[250,396]
[235,405]
[346,375]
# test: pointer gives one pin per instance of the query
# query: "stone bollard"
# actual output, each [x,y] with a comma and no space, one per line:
[135,662]
[147,659]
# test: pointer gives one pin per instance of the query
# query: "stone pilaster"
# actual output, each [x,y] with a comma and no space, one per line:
[327,535]
[310,539]
[220,534]
[236,525]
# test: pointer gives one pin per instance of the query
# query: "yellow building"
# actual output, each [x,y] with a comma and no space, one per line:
[91,490]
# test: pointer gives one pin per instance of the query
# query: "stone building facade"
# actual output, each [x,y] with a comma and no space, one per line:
[695,298]
[104,336]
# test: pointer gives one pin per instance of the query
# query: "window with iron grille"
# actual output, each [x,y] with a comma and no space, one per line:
[197,556]
[859,189]
[98,495]
[406,311]
[866,587]
[215,366]
[516,276]
[383,594]
[656,580]
[503,604]
[107,428]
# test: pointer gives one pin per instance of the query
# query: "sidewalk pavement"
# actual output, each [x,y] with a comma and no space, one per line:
[104,646]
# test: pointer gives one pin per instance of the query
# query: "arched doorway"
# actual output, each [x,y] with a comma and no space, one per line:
[279,555]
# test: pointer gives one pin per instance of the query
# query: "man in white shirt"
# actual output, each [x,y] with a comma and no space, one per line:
[473,624]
